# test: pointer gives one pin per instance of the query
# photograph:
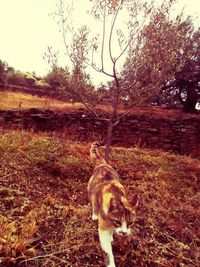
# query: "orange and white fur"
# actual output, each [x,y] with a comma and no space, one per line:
[109,203]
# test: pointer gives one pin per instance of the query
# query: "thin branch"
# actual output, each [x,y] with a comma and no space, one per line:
[111,31]
[108,74]
[117,87]
[92,57]
[99,7]
[90,108]
[98,69]
[63,33]
[127,45]
[101,70]
[103,44]
[143,100]
[103,38]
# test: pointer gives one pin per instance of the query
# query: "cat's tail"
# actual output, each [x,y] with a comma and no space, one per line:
[94,154]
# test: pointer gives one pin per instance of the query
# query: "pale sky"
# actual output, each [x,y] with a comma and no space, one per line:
[26,30]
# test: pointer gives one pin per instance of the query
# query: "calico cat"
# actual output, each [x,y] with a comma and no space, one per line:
[109,203]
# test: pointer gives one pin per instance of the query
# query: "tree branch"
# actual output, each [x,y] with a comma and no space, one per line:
[97,69]
[130,39]
[89,107]
[63,32]
[99,7]
[103,39]
[143,100]
[111,31]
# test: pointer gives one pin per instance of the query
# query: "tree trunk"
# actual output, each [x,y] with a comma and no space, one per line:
[190,103]
[109,140]
[114,119]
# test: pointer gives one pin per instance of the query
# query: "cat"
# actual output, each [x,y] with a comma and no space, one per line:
[109,203]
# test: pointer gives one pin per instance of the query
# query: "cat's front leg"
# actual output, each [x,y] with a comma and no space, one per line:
[94,208]
[111,239]
[94,216]
[105,237]
[94,213]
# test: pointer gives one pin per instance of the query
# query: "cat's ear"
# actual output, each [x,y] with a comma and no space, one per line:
[134,201]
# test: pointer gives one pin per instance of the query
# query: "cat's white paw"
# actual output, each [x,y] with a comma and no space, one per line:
[111,264]
[94,217]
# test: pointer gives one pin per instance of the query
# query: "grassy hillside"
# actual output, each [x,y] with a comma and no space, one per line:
[46,220]
[13,100]
[19,101]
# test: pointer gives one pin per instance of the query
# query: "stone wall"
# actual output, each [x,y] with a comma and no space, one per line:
[177,132]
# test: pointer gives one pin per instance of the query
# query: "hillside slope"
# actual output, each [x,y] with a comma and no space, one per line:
[20,101]
[46,220]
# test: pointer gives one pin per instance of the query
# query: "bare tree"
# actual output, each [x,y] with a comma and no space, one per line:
[107,13]
[3,71]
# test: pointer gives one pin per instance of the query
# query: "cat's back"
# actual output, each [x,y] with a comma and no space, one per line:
[103,176]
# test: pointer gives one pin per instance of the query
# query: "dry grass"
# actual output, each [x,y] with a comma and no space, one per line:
[45,216]
[13,100]
[17,101]
[20,101]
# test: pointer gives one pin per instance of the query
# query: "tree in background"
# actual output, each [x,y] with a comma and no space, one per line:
[82,89]
[59,80]
[168,59]
[25,80]
[81,86]
[75,86]
[161,53]
[57,77]
[187,80]
[184,88]
[103,93]
[19,78]
[14,77]
[3,71]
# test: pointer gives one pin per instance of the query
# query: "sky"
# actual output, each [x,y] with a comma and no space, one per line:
[27,29]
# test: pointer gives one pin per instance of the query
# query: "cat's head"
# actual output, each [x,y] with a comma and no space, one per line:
[122,214]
